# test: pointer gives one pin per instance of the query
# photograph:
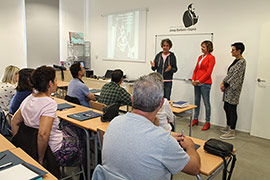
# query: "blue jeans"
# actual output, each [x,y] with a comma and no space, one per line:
[204,91]
[167,90]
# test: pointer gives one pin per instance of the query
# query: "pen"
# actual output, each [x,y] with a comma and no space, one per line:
[5,165]
[183,133]
[3,156]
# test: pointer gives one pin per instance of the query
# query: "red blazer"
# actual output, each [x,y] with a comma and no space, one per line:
[203,73]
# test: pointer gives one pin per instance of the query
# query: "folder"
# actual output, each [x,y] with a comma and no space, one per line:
[64,106]
[180,104]
[11,163]
[84,115]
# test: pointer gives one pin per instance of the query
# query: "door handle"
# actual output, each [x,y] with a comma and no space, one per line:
[261,80]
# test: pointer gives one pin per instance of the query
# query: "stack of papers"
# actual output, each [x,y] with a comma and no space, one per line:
[180,104]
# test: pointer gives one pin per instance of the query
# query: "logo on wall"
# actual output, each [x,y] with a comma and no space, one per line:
[189,20]
[189,17]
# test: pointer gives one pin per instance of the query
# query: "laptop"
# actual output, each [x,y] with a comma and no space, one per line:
[108,74]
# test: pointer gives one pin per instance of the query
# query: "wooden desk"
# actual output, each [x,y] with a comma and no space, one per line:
[182,113]
[209,162]
[91,124]
[24,156]
[5,144]
[62,88]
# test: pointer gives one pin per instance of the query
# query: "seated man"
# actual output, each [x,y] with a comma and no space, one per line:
[134,148]
[77,88]
[113,93]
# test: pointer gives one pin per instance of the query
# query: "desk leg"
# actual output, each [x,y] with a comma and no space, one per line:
[199,176]
[87,152]
[190,124]
[96,151]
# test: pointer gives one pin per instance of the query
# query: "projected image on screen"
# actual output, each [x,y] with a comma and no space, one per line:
[125,35]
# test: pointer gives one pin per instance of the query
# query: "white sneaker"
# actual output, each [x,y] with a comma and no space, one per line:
[229,135]
[225,129]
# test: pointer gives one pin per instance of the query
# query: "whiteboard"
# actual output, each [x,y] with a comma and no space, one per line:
[187,49]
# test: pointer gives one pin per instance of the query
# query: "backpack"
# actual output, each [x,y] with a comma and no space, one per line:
[110,112]
[223,150]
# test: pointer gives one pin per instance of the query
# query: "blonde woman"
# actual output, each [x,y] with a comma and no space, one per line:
[7,86]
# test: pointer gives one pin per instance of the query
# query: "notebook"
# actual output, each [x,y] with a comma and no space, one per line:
[64,106]
[9,160]
[19,171]
[84,115]
[180,104]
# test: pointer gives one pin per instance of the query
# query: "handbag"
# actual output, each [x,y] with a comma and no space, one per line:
[223,150]
[72,151]
[110,112]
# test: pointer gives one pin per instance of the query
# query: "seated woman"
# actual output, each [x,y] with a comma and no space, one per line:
[38,111]
[7,86]
[24,89]
[165,114]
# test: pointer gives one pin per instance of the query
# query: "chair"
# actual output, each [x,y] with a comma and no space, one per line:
[100,173]
[26,138]
[5,120]
[100,135]
[72,99]
[96,105]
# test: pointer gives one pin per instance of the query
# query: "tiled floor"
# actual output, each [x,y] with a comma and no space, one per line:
[253,154]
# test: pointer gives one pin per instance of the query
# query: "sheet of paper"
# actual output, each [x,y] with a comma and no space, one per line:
[18,171]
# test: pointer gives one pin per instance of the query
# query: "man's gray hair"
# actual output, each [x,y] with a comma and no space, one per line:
[147,94]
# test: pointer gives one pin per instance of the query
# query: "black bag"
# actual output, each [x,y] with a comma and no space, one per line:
[110,112]
[223,150]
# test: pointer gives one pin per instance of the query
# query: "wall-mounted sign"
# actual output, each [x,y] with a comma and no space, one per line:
[189,20]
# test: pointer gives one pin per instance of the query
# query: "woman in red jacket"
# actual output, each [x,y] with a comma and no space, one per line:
[202,82]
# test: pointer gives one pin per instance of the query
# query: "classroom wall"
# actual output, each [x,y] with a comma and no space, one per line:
[230,21]
[12,46]
[42,32]
[72,19]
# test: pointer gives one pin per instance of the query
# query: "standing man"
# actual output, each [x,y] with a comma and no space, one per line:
[77,88]
[134,148]
[112,92]
[232,86]
[165,64]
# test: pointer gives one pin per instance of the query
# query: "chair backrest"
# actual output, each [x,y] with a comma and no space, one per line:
[72,99]
[26,138]
[100,135]
[100,173]
[96,105]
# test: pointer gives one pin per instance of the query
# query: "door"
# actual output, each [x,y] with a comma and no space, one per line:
[261,111]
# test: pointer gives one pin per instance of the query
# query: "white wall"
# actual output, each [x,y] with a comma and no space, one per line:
[72,18]
[230,21]
[12,46]
[42,32]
